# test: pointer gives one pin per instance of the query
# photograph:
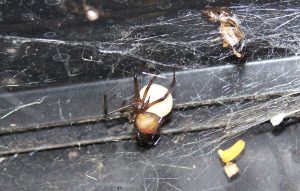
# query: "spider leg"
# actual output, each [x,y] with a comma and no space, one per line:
[166,94]
[156,142]
[124,108]
[136,89]
[84,3]
[147,89]
[146,103]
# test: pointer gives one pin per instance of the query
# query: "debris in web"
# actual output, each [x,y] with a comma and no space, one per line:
[230,29]
[90,12]
[232,152]
[37,102]
[278,118]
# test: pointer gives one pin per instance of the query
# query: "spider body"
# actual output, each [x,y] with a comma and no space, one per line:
[148,111]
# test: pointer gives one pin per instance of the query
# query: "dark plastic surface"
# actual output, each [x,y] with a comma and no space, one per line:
[55,66]
[182,162]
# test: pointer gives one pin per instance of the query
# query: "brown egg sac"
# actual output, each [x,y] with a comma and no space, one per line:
[147,123]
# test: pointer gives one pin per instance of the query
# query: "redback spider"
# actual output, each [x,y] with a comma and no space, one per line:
[146,113]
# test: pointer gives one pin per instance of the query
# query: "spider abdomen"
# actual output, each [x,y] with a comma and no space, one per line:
[147,123]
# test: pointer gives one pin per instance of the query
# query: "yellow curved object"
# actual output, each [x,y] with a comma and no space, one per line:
[232,152]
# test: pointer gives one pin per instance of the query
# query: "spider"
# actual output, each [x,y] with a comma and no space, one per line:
[147,112]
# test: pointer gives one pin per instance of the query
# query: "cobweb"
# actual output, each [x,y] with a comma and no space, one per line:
[231,101]
[188,41]
[163,41]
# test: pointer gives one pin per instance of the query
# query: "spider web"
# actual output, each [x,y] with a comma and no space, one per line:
[188,41]
[160,42]
[217,96]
